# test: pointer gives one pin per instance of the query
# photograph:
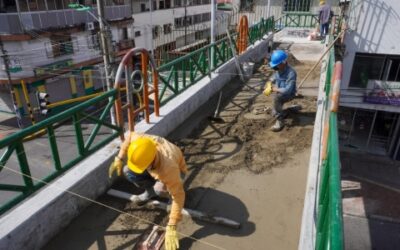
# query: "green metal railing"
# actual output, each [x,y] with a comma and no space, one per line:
[257,31]
[297,20]
[17,143]
[179,74]
[329,210]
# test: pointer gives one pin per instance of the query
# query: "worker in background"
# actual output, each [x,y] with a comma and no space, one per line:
[324,18]
[282,84]
[151,158]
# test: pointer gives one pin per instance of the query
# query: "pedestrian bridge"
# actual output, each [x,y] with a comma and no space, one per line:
[47,182]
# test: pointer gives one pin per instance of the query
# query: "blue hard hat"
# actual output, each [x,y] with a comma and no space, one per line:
[278,57]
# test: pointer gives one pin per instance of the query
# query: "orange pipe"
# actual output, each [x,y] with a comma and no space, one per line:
[156,101]
[336,87]
[325,136]
[126,64]
[243,31]
[145,61]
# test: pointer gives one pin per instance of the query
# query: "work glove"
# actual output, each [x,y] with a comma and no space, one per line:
[171,238]
[115,166]
[268,89]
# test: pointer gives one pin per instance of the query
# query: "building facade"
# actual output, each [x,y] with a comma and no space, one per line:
[56,49]
[370,95]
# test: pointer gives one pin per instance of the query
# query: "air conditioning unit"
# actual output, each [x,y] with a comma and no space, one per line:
[90,26]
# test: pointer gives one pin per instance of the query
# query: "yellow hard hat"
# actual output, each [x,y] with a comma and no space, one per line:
[141,154]
[321,2]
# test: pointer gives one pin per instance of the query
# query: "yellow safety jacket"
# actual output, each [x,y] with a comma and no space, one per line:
[167,166]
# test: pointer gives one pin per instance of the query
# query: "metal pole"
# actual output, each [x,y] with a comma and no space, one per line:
[212,39]
[105,36]
[372,128]
[6,62]
[394,135]
[397,150]
[27,101]
[151,27]
[269,9]
[184,22]
[352,125]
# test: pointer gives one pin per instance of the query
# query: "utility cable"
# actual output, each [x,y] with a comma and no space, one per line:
[139,218]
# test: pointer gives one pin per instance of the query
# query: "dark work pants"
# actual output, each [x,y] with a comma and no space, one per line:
[324,29]
[279,100]
[143,180]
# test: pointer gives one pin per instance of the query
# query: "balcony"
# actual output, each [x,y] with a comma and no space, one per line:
[16,23]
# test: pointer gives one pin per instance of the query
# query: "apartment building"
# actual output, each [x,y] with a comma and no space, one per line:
[56,49]
[370,95]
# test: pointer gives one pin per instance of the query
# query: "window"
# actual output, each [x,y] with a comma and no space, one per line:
[142,7]
[118,2]
[137,33]
[198,35]
[93,41]
[156,31]
[188,20]
[167,4]
[178,3]
[179,22]
[59,45]
[162,6]
[374,67]
[246,4]
[206,17]
[392,68]
[197,18]
[124,33]
[297,5]
[167,28]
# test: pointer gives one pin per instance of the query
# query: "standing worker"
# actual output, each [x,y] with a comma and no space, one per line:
[324,18]
[151,158]
[282,84]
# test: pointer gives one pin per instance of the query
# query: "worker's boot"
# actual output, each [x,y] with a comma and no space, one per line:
[278,126]
[143,198]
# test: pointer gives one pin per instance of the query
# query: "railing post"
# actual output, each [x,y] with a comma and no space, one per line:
[78,134]
[53,147]
[183,64]
[24,166]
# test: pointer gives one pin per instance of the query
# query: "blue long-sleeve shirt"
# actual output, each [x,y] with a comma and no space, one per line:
[325,14]
[286,81]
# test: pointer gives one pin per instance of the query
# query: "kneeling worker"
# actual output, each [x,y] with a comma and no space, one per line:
[283,84]
[151,158]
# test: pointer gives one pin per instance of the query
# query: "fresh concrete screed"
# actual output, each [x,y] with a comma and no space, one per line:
[35,221]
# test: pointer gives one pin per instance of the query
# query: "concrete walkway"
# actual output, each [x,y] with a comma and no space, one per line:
[239,169]
[371,201]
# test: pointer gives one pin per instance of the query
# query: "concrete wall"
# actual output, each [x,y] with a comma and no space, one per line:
[34,222]
[375,28]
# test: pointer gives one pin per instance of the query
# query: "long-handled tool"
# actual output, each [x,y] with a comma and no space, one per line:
[185,211]
[320,59]
[235,57]
[215,117]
